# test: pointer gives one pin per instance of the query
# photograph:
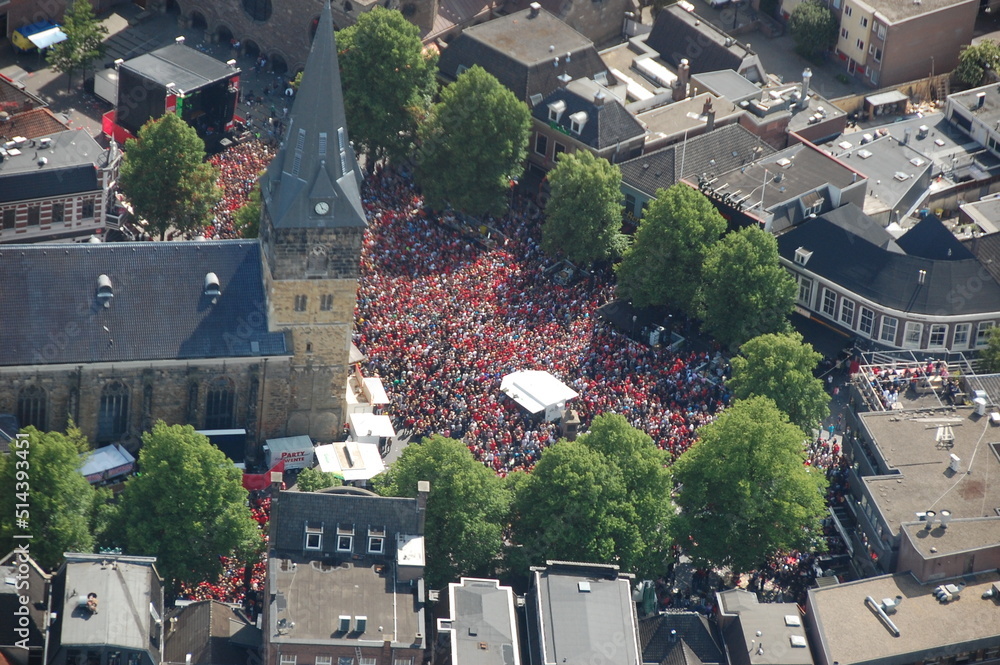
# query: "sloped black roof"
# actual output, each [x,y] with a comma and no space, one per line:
[930,239]
[852,250]
[606,124]
[661,168]
[204,630]
[293,510]
[695,643]
[187,68]
[675,29]
[158,312]
[49,183]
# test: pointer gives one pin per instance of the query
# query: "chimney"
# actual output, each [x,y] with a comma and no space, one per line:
[930,517]
[807,76]
[533,9]
[945,518]
[423,490]
[599,98]
[709,114]
[980,99]
[683,78]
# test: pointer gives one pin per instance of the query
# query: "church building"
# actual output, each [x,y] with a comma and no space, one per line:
[232,334]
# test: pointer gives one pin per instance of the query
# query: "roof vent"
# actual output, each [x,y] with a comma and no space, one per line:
[179,40]
[890,605]
[955,465]
[345,624]
[784,162]
[945,518]
[534,9]
[583,587]
[864,154]
[792,620]
[212,289]
[930,517]
[797,641]
[360,624]
[42,161]
[104,291]
[45,143]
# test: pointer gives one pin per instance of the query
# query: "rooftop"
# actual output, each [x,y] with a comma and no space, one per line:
[187,68]
[946,145]
[66,166]
[708,49]
[726,83]
[901,10]
[685,115]
[679,638]
[129,601]
[213,633]
[483,626]
[772,633]
[583,608]
[310,597]
[960,536]
[15,99]
[892,168]
[605,123]
[32,124]
[53,290]
[852,633]
[919,477]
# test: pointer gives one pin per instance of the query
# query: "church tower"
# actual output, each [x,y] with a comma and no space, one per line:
[311,230]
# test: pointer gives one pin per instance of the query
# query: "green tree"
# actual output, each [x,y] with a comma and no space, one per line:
[246,220]
[186,507]
[84,41]
[989,356]
[388,82]
[472,145]
[975,59]
[781,366]
[813,27]
[165,176]
[314,480]
[663,266]
[466,508]
[604,498]
[583,217]
[745,292]
[43,472]
[745,493]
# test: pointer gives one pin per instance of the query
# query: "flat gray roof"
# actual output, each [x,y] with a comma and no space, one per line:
[314,595]
[70,148]
[853,634]
[765,631]
[583,611]
[960,536]
[920,478]
[483,626]
[901,10]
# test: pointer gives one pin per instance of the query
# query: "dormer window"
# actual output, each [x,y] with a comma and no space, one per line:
[577,121]
[314,537]
[376,540]
[345,538]
[802,256]
[556,110]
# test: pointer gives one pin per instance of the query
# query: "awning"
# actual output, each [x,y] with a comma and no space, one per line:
[107,462]
[883,98]
[47,38]
[368,426]
[536,390]
[351,460]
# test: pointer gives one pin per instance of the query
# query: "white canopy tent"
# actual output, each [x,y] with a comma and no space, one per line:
[351,460]
[537,391]
[369,428]
[47,38]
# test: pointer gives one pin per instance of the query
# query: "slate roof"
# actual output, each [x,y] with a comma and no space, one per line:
[855,252]
[661,169]
[158,311]
[695,644]
[515,49]
[292,511]
[931,239]
[607,124]
[676,27]
[49,183]
[987,250]
[316,162]
[212,632]
[185,67]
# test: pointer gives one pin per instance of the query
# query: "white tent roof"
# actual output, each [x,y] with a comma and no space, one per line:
[104,459]
[47,38]
[368,424]
[535,390]
[350,459]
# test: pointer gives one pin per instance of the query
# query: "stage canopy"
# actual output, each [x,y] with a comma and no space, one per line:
[369,428]
[350,460]
[105,463]
[537,391]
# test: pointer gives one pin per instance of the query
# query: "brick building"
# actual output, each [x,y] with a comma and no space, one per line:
[220,335]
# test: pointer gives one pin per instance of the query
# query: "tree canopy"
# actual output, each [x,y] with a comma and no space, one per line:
[60,503]
[745,291]
[472,145]
[989,356]
[583,217]
[388,81]
[186,507]
[813,27]
[975,59]
[466,509]
[745,493]
[313,480]
[246,219]
[663,266]
[166,178]
[604,498]
[781,366]
[84,41]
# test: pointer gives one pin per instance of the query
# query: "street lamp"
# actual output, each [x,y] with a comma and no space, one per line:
[634,317]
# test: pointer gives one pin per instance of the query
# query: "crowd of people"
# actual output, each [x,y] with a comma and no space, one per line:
[239,169]
[443,318]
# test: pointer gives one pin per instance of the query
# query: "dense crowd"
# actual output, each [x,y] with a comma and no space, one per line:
[239,168]
[443,318]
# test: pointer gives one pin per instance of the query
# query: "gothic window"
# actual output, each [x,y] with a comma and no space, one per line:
[300,303]
[112,419]
[316,263]
[326,302]
[219,404]
[31,407]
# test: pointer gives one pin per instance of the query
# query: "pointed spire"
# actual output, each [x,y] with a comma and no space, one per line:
[314,180]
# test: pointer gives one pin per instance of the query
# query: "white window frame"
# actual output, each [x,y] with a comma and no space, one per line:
[372,542]
[873,77]
[324,660]
[807,284]
[828,306]
[870,323]
[575,126]
[913,332]
[880,29]
[541,137]
[860,44]
[864,21]
[847,312]
[367,660]
[848,10]
[286,659]
[350,543]
[982,332]
[887,323]
[960,340]
[939,330]
[317,533]
[844,34]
